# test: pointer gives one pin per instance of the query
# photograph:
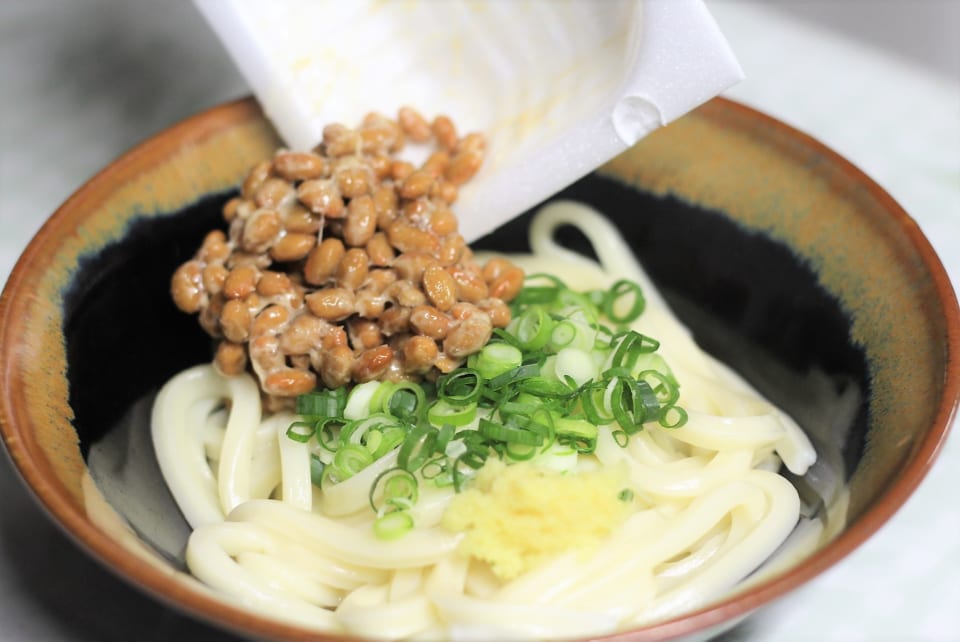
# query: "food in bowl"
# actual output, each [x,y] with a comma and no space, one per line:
[383,447]
[828,286]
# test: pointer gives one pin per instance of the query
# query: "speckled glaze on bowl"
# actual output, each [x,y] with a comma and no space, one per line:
[785,260]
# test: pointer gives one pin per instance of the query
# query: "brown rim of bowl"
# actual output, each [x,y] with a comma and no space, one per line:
[57,501]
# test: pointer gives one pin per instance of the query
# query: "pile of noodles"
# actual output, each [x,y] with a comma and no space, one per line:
[715,507]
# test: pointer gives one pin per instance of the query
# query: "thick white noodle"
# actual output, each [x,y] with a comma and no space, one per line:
[709,510]
[295,481]
[179,415]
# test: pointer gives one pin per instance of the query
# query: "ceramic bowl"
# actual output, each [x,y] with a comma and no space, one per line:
[786,261]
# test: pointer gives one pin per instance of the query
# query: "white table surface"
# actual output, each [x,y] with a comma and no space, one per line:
[83,80]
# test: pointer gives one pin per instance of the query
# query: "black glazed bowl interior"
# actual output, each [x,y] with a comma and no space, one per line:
[785,261]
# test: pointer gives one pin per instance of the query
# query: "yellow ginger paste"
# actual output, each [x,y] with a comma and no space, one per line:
[515,517]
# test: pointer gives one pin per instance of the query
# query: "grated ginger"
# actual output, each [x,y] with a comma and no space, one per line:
[515,517]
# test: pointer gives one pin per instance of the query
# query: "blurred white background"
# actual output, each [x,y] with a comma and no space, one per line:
[878,80]
[927,32]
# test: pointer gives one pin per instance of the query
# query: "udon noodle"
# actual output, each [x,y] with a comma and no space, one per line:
[710,508]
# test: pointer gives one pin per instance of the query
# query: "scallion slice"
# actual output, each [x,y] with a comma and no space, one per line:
[301,431]
[323,403]
[533,328]
[673,417]
[563,335]
[538,389]
[509,434]
[406,401]
[579,428]
[417,447]
[512,376]
[624,291]
[442,412]
[495,359]
[663,386]
[350,459]
[395,487]
[460,387]
[392,526]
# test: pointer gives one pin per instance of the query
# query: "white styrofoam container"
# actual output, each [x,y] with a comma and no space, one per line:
[557,86]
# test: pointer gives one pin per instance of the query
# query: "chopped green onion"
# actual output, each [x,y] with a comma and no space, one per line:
[509,434]
[354,432]
[663,385]
[469,460]
[328,433]
[372,440]
[582,445]
[434,467]
[417,447]
[547,428]
[576,364]
[624,405]
[533,293]
[673,417]
[506,337]
[460,387]
[596,413]
[533,328]
[563,334]
[389,438]
[442,412]
[596,297]
[604,339]
[392,526]
[519,407]
[394,487]
[360,401]
[545,387]
[541,388]
[406,400]
[495,359]
[329,477]
[622,291]
[520,452]
[577,306]
[515,375]
[301,431]
[579,428]
[648,401]
[444,435]
[350,460]
[324,403]
[654,361]
[631,346]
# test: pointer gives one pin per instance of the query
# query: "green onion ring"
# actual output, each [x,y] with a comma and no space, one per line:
[621,289]
[417,447]
[394,483]
[442,412]
[351,459]
[323,403]
[681,417]
[392,526]
[301,431]
[460,387]
[509,434]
